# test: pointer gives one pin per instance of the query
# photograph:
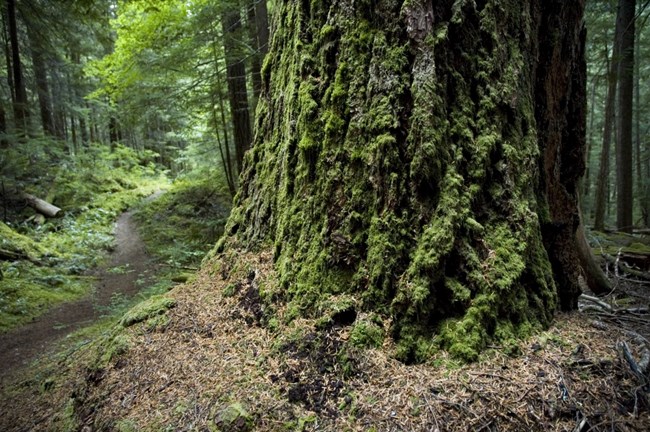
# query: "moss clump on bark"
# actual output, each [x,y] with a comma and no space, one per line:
[397,161]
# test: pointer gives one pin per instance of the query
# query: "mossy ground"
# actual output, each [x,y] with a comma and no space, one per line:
[184,223]
[613,243]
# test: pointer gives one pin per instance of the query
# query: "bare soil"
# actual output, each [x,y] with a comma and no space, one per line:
[20,346]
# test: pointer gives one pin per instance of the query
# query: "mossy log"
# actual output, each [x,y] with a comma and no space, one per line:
[422,157]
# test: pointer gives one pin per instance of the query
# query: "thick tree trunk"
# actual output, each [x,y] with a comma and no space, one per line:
[236,78]
[423,161]
[624,178]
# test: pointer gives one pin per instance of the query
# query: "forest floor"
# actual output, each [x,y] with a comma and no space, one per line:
[205,356]
[128,268]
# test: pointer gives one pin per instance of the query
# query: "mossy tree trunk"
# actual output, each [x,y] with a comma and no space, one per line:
[422,159]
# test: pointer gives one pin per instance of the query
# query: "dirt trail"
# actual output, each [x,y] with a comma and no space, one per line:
[20,346]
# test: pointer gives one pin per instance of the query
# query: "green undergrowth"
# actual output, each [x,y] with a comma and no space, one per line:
[50,262]
[95,347]
[182,225]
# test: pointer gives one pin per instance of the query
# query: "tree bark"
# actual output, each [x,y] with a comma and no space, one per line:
[258,24]
[236,78]
[602,182]
[624,177]
[42,86]
[21,113]
[41,206]
[422,159]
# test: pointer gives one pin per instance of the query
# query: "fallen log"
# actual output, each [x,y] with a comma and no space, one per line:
[41,206]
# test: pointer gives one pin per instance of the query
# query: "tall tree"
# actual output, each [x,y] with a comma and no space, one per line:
[602,181]
[236,78]
[21,112]
[40,76]
[422,160]
[258,25]
[624,178]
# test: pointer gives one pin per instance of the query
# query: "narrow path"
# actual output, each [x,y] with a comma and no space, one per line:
[20,346]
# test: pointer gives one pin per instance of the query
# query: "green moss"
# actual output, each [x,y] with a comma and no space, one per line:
[21,245]
[400,171]
[118,344]
[155,305]
[367,333]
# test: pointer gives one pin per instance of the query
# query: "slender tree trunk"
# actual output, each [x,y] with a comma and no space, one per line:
[42,86]
[4,142]
[113,131]
[587,178]
[418,161]
[73,133]
[258,26]
[262,25]
[75,84]
[642,185]
[224,149]
[21,113]
[602,182]
[236,78]
[624,174]
[256,58]
[10,70]
[59,98]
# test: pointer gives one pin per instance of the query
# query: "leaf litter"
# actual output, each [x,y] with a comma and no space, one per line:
[216,351]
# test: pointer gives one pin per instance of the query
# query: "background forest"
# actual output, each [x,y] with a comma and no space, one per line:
[176,83]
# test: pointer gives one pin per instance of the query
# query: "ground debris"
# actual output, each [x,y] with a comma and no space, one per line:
[302,376]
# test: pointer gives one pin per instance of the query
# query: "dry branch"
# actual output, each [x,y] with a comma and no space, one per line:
[626,269]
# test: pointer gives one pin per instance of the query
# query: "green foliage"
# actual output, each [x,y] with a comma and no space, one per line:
[92,189]
[185,222]
[234,418]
